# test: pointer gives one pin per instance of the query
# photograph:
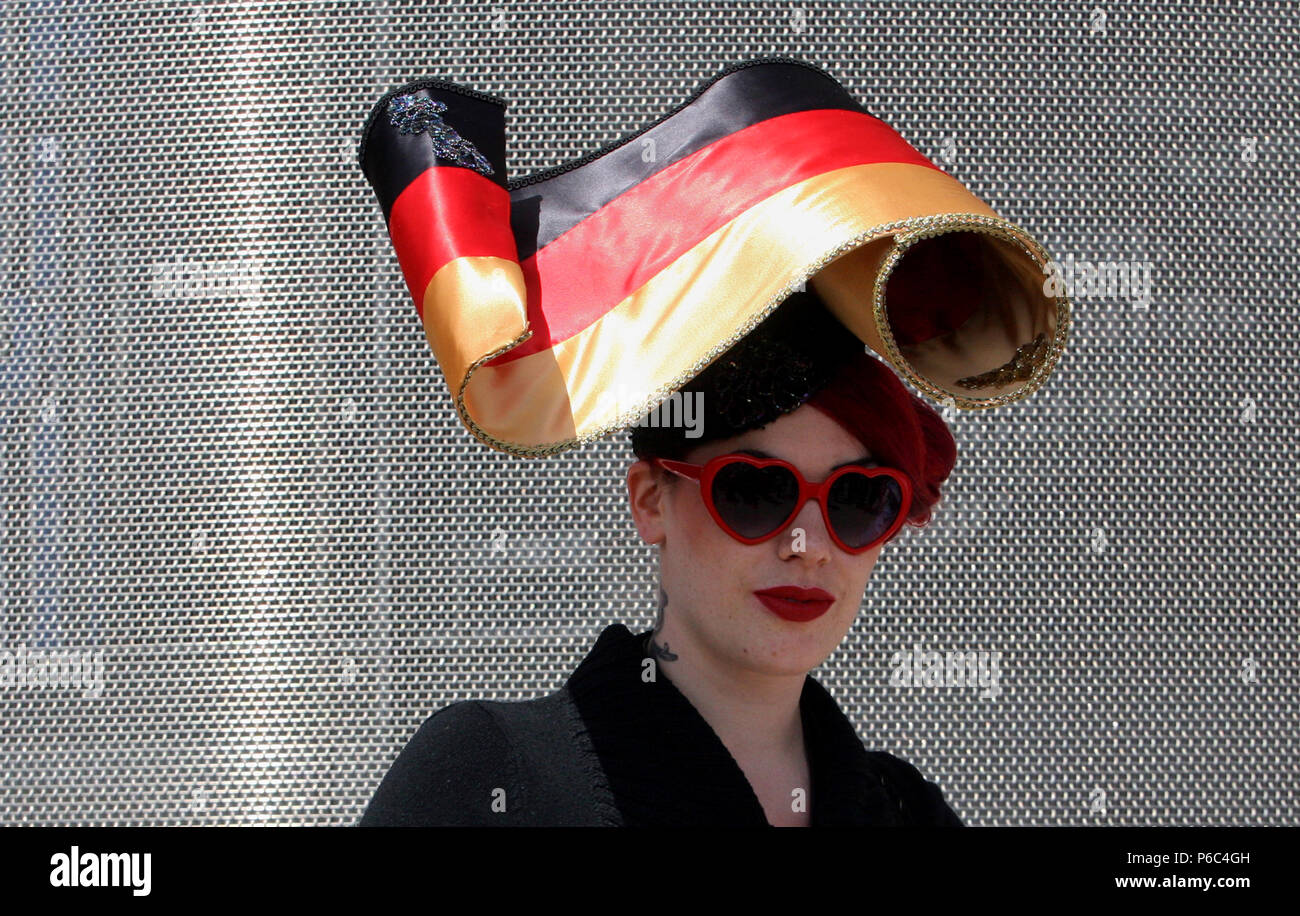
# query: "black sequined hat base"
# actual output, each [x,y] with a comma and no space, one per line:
[777,367]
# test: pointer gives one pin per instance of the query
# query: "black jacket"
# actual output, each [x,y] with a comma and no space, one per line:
[610,749]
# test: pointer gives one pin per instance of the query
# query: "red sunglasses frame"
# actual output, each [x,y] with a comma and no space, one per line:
[703,474]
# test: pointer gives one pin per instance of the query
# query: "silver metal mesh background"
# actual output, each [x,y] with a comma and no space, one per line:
[238,499]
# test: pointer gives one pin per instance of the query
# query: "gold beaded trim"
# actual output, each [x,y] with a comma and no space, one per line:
[1034,364]
[1038,362]
[1022,365]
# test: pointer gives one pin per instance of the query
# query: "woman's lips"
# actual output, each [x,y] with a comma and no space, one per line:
[796,604]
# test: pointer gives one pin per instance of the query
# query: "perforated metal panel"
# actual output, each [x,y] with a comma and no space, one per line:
[240,506]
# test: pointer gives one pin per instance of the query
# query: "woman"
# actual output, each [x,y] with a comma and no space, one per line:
[711,717]
[555,300]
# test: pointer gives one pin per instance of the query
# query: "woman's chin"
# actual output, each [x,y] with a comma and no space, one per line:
[786,653]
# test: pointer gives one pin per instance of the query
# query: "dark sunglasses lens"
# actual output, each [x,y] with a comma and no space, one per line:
[754,501]
[863,508]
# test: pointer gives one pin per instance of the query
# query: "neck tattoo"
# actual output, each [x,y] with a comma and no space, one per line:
[652,644]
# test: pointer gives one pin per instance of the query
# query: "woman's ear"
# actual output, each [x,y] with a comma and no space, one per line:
[647,494]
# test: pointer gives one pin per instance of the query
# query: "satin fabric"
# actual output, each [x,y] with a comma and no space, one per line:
[564,306]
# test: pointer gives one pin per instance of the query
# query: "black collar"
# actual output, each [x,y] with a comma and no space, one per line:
[667,767]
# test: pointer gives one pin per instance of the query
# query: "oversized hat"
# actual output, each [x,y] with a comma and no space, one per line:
[564,305]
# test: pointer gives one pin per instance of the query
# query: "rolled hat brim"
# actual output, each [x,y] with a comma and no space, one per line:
[563,306]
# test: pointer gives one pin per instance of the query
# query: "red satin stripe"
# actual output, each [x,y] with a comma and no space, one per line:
[571,282]
[448,212]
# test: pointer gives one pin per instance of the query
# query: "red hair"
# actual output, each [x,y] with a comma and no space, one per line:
[897,427]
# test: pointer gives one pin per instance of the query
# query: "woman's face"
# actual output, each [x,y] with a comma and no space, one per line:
[709,578]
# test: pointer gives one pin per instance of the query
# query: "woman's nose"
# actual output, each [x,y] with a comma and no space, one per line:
[807,534]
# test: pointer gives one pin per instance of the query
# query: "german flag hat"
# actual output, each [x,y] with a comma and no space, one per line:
[565,305]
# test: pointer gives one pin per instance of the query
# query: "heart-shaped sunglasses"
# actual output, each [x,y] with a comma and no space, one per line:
[754,499]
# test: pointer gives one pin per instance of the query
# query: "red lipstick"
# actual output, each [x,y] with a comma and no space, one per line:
[796,604]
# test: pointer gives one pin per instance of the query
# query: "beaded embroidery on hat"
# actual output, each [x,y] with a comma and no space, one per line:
[415,114]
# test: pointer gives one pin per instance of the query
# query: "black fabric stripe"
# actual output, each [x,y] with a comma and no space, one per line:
[391,160]
[545,205]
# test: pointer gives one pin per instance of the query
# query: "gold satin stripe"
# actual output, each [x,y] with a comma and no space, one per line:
[1017,311]
[472,306]
[703,299]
